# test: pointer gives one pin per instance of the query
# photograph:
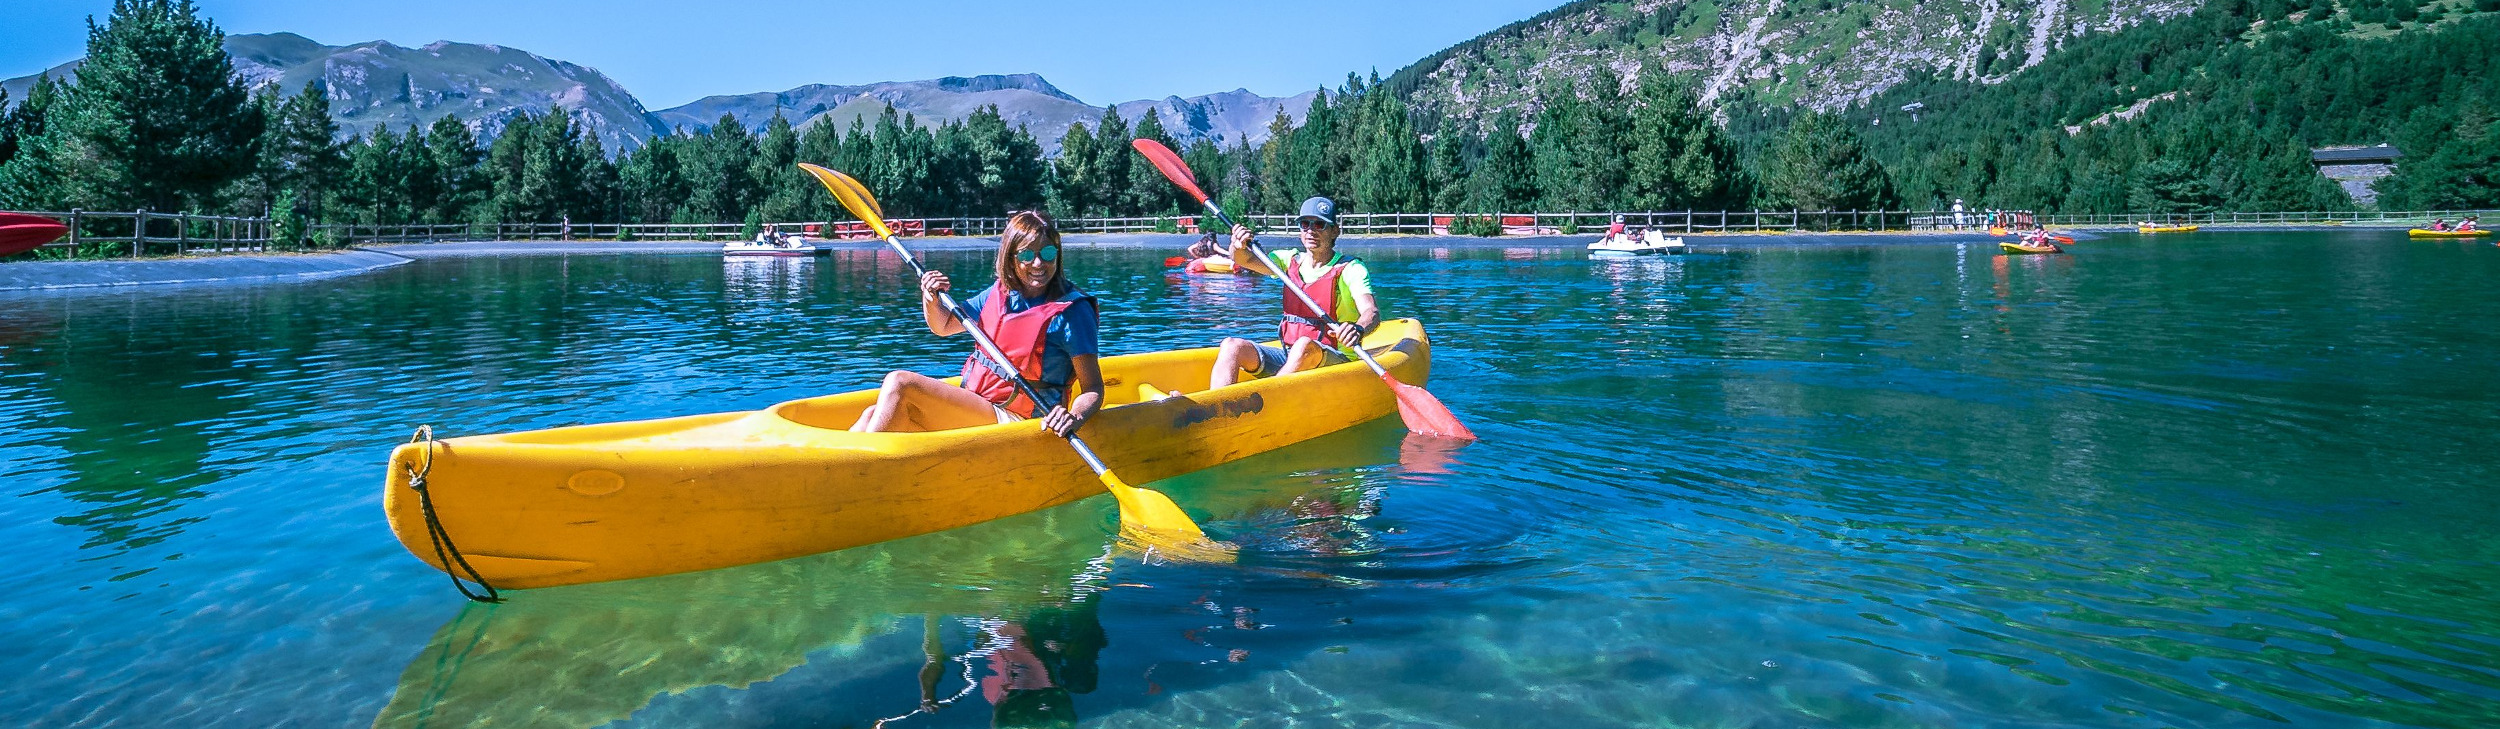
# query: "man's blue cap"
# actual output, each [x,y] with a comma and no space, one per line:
[1319,207]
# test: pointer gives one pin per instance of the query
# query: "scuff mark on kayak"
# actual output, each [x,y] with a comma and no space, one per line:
[1199,413]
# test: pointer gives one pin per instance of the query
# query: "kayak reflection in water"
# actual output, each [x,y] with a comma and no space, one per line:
[1046,327]
[1036,664]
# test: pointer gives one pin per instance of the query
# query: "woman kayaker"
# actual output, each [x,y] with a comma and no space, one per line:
[2440,224]
[1338,282]
[1046,326]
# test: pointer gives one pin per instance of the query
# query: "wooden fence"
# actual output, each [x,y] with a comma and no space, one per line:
[1530,223]
[160,233]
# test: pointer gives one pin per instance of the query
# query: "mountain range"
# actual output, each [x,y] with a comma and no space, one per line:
[378,85]
[1821,54]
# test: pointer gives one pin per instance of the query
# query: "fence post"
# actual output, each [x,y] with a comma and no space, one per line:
[75,216]
[139,233]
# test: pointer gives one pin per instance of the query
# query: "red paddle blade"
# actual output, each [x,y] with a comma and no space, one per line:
[1172,167]
[1425,414]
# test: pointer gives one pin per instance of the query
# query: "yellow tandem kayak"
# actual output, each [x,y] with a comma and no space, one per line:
[2165,229]
[2021,248]
[2425,233]
[617,501]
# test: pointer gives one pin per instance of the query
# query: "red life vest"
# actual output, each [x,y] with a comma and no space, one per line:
[1297,326]
[1021,336]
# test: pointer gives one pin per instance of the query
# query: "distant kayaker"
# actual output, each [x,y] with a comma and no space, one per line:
[1046,326]
[2439,224]
[1205,256]
[1338,282]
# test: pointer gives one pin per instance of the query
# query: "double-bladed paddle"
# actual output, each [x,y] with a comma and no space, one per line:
[1146,516]
[1422,412]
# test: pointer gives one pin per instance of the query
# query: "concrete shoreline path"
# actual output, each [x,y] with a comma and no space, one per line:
[38,275]
[279,267]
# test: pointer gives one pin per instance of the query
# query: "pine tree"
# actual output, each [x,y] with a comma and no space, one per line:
[1073,180]
[1390,174]
[775,169]
[1506,182]
[1274,155]
[1561,179]
[1678,157]
[29,179]
[463,183]
[301,151]
[1111,185]
[1448,173]
[1821,164]
[1149,193]
[2167,186]
[1306,172]
[716,168]
[157,119]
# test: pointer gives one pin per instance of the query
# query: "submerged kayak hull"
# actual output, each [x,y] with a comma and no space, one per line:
[617,501]
[2422,233]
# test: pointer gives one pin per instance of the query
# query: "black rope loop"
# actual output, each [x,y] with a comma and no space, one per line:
[444,551]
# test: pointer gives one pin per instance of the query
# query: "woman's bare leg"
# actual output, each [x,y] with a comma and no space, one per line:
[910,402]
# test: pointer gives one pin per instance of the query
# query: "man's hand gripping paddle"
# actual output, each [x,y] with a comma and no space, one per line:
[1422,412]
[1147,517]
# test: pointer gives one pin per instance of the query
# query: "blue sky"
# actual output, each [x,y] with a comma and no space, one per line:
[671,53]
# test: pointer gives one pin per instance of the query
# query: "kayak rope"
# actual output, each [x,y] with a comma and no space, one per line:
[445,552]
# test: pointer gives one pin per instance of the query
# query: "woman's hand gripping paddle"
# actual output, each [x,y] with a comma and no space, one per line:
[1422,412]
[1146,516]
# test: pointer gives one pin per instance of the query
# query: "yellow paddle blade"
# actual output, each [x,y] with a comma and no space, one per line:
[1152,522]
[854,197]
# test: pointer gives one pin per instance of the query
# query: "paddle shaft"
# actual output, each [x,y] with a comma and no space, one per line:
[1297,290]
[989,350]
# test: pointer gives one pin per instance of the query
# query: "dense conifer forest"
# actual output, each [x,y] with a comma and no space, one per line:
[2213,110]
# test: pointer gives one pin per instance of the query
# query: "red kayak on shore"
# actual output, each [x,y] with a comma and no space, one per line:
[20,232]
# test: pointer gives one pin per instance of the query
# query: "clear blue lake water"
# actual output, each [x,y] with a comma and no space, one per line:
[2216,480]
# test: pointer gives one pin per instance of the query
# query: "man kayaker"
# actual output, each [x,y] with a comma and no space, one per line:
[1339,283]
[1044,324]
[2468,225]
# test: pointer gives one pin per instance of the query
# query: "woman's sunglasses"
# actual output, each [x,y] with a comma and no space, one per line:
[1045,255]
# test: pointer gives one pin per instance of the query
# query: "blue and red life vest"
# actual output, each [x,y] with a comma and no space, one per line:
[1022,336]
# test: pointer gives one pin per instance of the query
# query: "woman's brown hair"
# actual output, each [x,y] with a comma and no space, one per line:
[1024,227]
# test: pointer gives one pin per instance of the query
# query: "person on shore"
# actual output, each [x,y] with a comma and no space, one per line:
[1959,222]
[1045,325]
[1339,283]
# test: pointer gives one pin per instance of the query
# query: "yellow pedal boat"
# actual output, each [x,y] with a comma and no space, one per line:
[617,501]
[2165,229]
[2426,233]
